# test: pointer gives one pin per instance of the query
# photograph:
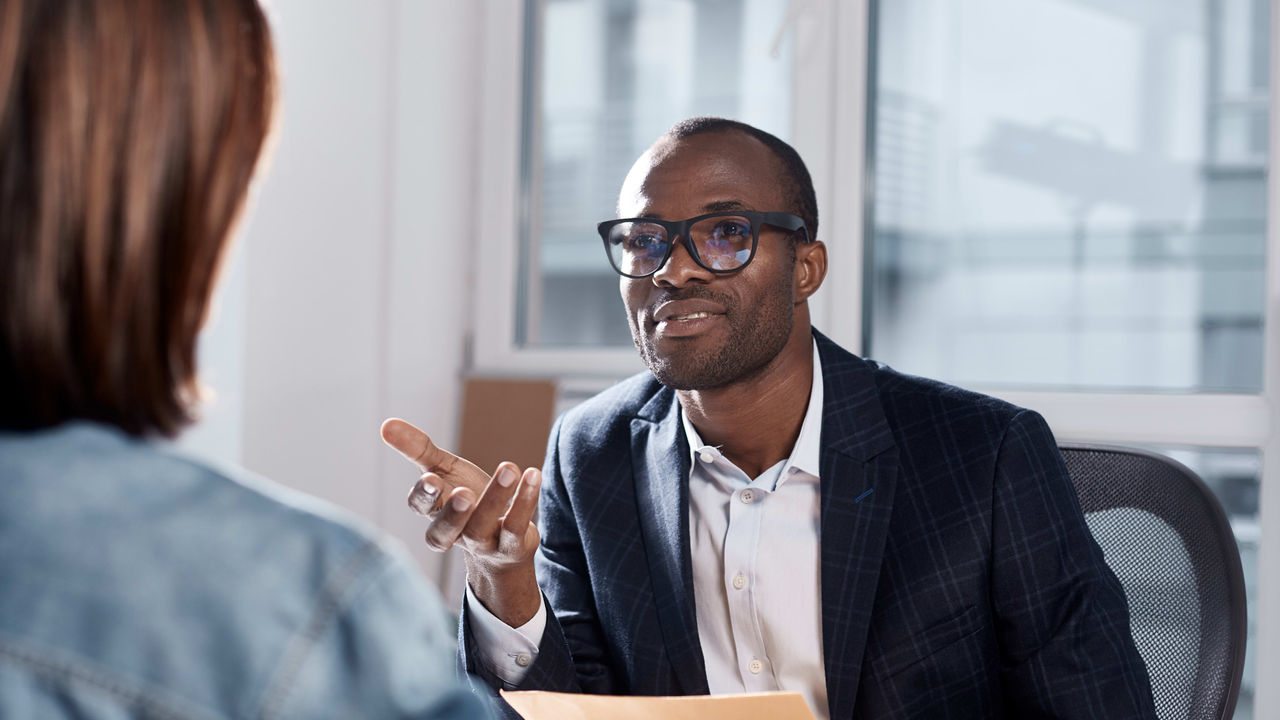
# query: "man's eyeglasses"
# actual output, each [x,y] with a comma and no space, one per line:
[722,242]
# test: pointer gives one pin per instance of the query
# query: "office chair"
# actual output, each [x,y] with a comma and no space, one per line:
[1168,540]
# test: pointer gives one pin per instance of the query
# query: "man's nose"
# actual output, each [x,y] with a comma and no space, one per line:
[680,268]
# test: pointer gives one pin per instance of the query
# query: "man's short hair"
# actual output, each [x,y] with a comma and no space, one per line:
[797,184]
[129,132]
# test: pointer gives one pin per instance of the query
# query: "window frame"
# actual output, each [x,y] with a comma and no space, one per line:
[830,123]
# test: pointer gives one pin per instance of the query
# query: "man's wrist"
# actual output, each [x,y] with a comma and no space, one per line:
[509,592]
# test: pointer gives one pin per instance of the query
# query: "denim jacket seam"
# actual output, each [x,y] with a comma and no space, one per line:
[72,671]
[331,603]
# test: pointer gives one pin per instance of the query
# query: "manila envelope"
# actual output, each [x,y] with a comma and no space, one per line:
[539,705]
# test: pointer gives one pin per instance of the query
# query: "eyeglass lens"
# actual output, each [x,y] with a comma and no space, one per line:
[723,243]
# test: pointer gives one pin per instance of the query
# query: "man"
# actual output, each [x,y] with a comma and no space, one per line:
[765,511]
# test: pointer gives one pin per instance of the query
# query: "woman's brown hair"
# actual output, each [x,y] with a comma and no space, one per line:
[129,131]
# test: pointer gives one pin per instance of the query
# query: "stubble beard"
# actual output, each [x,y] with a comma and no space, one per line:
[756,337]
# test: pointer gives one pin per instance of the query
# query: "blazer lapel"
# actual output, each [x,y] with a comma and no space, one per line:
[859,470]
[660,457]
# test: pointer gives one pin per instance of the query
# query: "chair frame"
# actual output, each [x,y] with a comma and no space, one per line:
[1233,567]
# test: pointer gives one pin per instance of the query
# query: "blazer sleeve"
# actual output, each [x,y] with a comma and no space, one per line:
[572,655]
[1061,614]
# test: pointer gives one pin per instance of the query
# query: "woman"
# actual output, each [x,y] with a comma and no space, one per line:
[134,581]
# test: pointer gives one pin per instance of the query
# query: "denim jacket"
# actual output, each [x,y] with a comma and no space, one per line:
[137,582]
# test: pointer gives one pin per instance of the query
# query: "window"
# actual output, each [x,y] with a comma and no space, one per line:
[1071,194]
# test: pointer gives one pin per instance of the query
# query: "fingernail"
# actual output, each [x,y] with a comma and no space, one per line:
[420,505]
[506,476]
[430,490]
[461,503]
[535,478]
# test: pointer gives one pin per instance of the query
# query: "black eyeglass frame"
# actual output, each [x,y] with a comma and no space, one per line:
[680,229]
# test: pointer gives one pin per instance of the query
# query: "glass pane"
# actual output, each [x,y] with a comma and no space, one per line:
[609,77]
[1070,193]
[1233,475]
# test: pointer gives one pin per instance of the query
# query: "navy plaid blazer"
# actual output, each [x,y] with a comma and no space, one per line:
[958,578]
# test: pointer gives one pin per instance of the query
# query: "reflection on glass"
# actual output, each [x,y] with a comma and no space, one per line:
[608,77]
[1070,193]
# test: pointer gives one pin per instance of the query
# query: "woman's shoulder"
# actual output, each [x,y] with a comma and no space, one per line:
[157,487]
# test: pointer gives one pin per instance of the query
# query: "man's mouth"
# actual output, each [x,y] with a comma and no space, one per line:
[686,310]
[690,316]
[686,318]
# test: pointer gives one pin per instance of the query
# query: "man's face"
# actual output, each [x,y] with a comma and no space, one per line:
[697,330]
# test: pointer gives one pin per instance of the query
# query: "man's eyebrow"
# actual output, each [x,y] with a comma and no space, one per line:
[725,206]
[711,207]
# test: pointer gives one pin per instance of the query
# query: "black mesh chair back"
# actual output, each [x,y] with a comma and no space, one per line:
[1167,539]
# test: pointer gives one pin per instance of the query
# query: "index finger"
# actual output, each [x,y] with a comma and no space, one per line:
[416,446]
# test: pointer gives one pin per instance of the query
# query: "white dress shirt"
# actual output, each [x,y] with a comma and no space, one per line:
[754,547]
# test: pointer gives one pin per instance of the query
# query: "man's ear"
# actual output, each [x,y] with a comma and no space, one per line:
[810,269]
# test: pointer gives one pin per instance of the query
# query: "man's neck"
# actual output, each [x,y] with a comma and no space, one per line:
[755,421]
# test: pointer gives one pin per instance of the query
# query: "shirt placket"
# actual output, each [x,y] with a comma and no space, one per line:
[741,557]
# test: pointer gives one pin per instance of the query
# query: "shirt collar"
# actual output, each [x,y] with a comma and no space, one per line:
[806,453]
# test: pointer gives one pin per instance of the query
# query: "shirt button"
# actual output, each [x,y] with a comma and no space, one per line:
[523,659]
[755,667]
[706,456]
[739,581]
[748,496]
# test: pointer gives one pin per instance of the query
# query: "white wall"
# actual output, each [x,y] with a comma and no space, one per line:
[348,301]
